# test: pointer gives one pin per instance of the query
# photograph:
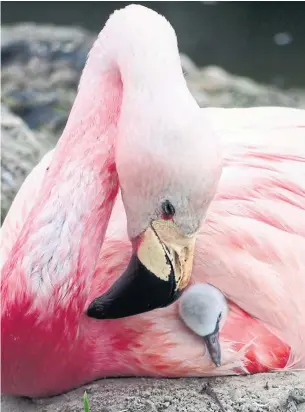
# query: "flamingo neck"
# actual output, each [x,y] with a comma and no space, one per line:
[61,239]
[47,277]
[56,252]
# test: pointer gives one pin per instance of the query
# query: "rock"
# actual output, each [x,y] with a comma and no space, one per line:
[222,89]
[21,150]
[228,394]
[41,67]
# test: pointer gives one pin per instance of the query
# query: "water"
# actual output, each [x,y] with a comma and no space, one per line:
[262,40]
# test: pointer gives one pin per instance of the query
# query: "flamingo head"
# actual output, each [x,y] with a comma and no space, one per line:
[167,180]
[203,308]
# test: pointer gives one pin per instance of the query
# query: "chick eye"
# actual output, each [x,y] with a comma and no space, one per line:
[168,210]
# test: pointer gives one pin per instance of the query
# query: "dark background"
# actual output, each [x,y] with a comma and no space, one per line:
[238,36]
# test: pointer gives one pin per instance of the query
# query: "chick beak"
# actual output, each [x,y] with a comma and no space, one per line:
[212,342]
[159,270]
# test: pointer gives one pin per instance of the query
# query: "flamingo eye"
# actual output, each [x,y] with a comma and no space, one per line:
[168,210]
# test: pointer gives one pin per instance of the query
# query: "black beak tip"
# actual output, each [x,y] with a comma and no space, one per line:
[215,356]
[137,291]
[96,310]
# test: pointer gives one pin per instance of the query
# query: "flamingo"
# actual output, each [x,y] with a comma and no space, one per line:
[138,174]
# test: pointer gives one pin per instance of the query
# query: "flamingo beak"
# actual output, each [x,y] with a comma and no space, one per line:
[213,346]
[159,270]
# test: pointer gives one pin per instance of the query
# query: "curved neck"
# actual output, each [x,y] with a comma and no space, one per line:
[61,239]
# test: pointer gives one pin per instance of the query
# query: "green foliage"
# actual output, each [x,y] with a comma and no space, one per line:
[86,403]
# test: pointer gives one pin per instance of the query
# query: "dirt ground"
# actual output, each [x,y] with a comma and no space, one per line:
[274,392]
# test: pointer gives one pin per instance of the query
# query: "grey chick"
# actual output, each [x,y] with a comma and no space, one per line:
[203,308]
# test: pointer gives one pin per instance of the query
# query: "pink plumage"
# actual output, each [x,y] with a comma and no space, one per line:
[251,246]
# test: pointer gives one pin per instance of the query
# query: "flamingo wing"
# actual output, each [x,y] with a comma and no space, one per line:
[253,244]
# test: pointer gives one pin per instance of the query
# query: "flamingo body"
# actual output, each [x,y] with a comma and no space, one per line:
[255,337]
[250,246]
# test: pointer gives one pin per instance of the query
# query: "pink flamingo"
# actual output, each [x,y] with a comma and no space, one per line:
[65,242]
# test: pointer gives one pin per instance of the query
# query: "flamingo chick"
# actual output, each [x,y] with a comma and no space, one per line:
[203,308]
